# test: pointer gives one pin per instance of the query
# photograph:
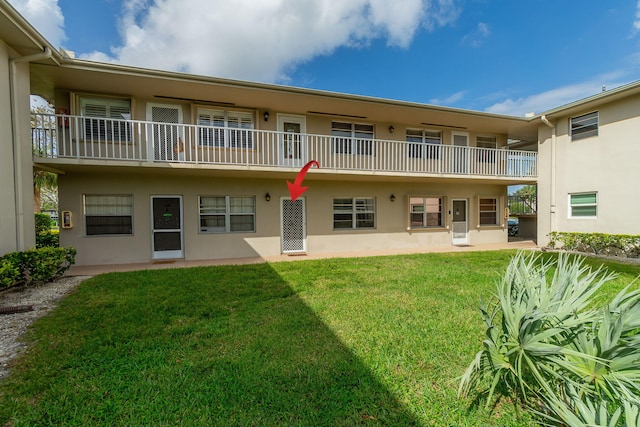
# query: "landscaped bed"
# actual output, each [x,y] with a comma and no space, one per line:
[361,341]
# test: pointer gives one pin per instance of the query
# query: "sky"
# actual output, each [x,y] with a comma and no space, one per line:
[502,56]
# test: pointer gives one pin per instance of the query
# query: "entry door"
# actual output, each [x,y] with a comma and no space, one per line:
[294,230]
[291,147]
[459,222]
[167,227]
[460,156]
[166,141]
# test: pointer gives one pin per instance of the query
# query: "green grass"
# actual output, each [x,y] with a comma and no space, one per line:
[361,341]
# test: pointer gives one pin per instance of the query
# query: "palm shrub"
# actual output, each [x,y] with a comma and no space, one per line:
[548,345]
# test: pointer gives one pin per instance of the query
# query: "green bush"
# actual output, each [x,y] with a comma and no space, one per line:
[597,243]
[9,273]
[35,266]
[548,346]
[45,236]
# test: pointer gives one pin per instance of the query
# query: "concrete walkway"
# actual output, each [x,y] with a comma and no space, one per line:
[92,270]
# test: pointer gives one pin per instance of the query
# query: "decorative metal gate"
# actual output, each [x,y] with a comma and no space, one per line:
[294,232]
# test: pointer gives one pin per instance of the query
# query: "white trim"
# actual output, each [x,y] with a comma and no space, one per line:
[460,241]
[569,205]
[283,159]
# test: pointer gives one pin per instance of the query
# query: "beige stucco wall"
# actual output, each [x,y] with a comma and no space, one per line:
[606,164]
[391,217]
[7,207]
[16,224]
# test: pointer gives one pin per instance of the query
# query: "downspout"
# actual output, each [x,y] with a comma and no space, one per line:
[552,193]
[15,136]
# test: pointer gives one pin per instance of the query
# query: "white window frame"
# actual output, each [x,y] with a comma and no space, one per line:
[227,214]
[572,205]
[103,118]
[91,209]
[225,128]
[354,212]
[584,126]
[497,211]
[425,212]
[423,143]
[354,143]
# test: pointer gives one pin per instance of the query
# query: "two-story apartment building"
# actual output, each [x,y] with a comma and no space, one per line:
[589,154]
[159,165]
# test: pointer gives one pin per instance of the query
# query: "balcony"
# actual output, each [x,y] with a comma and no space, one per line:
[74,137]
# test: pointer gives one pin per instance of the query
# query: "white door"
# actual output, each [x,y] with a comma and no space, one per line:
[459,222]
[166,220]
[164,138]
[292,150]
[293,222]
[460,154]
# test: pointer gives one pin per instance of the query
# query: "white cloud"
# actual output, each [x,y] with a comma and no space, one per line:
[262,40]
[46,16]
[636,23]
[544,101]
[478,36]
[450,100]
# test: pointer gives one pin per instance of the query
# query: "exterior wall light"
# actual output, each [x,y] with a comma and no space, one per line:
[267,197]
[266,116]
[392,129]
[392,198]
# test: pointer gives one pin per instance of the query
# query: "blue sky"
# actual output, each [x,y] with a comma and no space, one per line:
[502,56]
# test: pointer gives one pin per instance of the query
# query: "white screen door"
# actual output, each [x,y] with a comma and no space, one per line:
[292,143]
[459,222]
[166,217]
[166,142]
[294,230]
[460,155]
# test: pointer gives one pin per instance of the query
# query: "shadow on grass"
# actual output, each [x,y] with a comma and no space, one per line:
[204,346]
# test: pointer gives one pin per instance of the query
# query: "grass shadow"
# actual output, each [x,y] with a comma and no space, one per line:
[203,346]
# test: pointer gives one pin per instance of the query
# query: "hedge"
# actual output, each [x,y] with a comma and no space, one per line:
[624,245]
[35,266]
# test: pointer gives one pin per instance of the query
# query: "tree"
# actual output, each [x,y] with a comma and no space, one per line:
[43,181]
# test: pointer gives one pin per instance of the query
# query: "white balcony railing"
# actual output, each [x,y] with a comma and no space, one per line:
[75,137]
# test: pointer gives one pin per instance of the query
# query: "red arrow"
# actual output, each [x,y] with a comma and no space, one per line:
[296,189]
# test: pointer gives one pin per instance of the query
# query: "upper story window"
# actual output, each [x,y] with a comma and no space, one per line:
[352,138]
[487,142]
[108,214]
[218,128]
[424,143]
[583,205]
[584,126]
[107,119]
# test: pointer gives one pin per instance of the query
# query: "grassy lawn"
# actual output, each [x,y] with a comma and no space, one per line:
[360,341]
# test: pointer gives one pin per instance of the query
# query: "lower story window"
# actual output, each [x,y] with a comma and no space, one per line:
[353,213]
[227,214]
[488,208]
[425,212]
[108,214]
[583,205]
